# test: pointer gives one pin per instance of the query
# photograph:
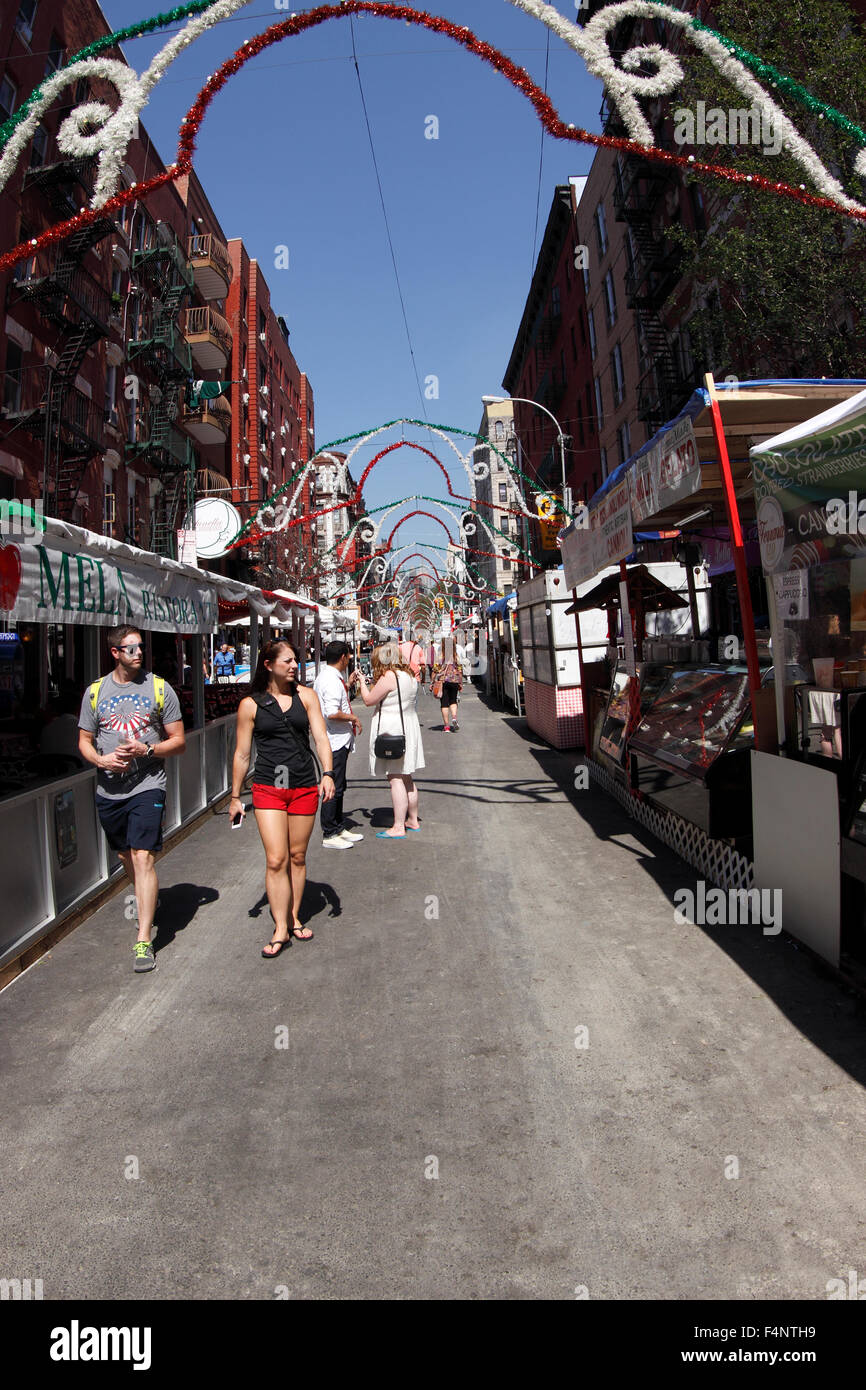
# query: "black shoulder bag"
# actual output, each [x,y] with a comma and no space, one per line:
[391,746]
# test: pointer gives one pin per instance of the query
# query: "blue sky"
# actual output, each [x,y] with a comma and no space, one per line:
[285,159]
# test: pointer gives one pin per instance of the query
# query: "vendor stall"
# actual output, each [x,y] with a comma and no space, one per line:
[809,486]
[562,671]
[504,678]
[679,741]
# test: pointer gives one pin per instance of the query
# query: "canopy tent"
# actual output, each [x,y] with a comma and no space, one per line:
[499,605]
[60,573]
[654,596]
[667,484]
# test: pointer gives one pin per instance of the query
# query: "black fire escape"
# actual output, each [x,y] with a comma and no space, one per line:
[161,353]
[67,296]
[639,189]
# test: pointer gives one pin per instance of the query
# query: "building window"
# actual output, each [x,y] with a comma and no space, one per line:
[599,402]
[617,375]
[506,564]
[593,342]
[498,430]
[624,437]
[503,492]
[629,253]
[590,423]
[108,507]
[610,299]
[132,512]
[111,395]
[586,278]
[12,378]
[603,464]
[55,55]
[573,343]
[555,302]
[601,230]
[39,147]
[26,19]
[8,94]
[24,270]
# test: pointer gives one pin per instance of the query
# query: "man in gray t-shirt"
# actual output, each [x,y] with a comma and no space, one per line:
[133,723]
[127,712]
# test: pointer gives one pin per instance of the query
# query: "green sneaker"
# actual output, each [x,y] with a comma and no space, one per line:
[143,952]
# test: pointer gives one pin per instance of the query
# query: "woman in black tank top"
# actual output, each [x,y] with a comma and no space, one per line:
[281,715]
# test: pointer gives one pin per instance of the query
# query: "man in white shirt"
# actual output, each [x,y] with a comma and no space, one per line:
[330,686]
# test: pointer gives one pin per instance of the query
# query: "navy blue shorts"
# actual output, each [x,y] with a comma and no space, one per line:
[135,822]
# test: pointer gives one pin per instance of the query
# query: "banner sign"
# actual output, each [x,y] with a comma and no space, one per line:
[811,496]
[608,538]
[610,526]
[627,630]
[792,595]
[667,473]
[44,583]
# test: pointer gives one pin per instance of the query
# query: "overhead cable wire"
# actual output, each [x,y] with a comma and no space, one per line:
[540,164]
[387,224]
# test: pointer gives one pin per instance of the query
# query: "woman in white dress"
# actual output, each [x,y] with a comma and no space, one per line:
[393,680]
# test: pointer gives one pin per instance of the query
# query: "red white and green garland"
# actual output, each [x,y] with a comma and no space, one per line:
[623,81]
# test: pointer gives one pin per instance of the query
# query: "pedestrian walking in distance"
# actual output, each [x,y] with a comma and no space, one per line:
[342,725]
[282,715]
[130,722]
[395,693]
[448,675]
[224,668]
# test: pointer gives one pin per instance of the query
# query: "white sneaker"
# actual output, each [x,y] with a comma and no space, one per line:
[351,835]
[336,842]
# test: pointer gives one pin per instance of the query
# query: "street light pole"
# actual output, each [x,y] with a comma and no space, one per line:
[522,400]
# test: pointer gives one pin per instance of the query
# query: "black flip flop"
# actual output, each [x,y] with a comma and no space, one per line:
[272,955]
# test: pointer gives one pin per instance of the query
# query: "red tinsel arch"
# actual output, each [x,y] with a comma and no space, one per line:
[518,77]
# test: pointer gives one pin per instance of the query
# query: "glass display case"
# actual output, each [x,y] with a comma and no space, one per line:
[625,691]
[691,751]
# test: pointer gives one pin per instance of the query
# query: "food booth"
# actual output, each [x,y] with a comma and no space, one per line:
[686,760]
[810,804]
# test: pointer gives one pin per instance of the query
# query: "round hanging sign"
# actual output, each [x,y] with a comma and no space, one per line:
[216,524]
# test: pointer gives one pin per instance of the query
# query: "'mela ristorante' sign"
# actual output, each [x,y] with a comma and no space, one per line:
[42,583]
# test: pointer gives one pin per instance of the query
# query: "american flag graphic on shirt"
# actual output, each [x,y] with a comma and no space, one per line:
[126,715]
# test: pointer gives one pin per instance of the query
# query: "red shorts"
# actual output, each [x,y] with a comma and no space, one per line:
[295,801]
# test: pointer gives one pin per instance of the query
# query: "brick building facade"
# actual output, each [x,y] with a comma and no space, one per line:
[103,333]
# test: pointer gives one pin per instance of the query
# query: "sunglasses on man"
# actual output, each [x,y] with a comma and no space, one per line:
[131,648]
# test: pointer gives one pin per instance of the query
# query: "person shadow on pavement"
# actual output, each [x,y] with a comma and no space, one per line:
[317,896]
[179,904]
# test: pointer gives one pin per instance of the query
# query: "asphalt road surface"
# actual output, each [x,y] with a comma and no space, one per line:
[500,1071]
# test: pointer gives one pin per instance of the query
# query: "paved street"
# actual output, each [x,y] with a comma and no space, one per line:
[420,1042]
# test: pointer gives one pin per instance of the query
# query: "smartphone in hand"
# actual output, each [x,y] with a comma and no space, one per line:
[238,821]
